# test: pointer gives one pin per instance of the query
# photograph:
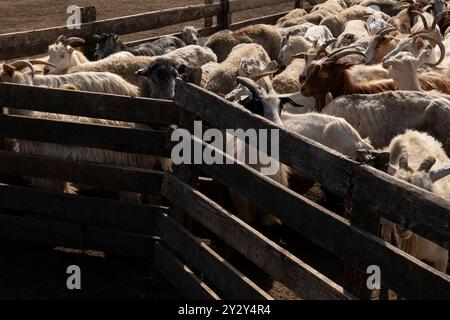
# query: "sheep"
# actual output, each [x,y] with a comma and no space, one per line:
[162,71]
[317,14]
[416,153]
[354,30]
[104,82]
[376,23]
[189,35]
[297,30]
[207,71]
[109,43]
[75,153]
[293,14]
[389,7]
[403,69]
[223,79]
[336,22]
[294,45]
[64,56]
[382,116]
[288,80]
[192,55]
[265,35]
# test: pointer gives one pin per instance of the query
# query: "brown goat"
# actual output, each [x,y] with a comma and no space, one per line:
[331,75]
[404,19]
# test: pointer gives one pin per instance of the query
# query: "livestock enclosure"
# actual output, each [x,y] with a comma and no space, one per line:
[166,235]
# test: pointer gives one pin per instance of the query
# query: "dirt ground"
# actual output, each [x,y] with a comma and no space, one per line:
[30,271]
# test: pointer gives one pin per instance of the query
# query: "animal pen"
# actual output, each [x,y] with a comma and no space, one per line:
[158,234]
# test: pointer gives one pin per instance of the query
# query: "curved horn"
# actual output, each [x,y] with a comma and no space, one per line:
[385,31]
[424,20]
[74,41]
[427,164]
[22,64]
[61,39]
[340,55]
[440,45]
[403,161]
[251,85]
[438,18]
[301,55]
[265,74]
[46,63]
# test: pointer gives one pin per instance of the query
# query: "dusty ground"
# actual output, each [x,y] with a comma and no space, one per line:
[34,272]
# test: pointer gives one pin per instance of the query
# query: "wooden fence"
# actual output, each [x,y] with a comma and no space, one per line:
[29,43]
[155,232]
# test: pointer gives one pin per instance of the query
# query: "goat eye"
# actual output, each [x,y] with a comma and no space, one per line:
[62,56]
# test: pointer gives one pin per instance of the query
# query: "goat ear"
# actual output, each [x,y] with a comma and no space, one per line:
[245,67]
[439,174]
[9,69]
[69,49]
[419,43]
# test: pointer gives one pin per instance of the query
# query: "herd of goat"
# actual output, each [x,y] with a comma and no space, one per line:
[349,74]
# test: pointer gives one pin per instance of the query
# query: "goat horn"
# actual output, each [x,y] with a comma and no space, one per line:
[252,86]
[427,164]
[385,31]
[340,55]
[424,20]
[265,74]
[22,64]
[42,62]
[438,18]
[74,40]
[61,39]
[403,161]
[441,46]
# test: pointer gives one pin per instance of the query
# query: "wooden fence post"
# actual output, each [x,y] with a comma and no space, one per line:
[209,20]
[89,14]
[225,19]
[355,280]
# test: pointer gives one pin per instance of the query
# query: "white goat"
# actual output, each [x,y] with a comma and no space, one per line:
[415,153]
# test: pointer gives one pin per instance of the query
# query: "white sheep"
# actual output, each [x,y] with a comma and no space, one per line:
[354,30]
[223,79]
[104,82]
[413,155]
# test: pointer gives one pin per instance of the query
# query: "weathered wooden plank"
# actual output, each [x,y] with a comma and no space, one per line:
[103,213]
[273,259]
[403,203]
[181,276]
[209,20]
[230,281]
[332,232]
[98,175]
[334,171]
[88,104]
[241,5]
[34,42]
[298,152]
[225,17]
[143,141]
[77,236]
[270,19]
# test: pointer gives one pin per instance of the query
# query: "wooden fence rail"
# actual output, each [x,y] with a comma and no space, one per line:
[27,43]
[418,210]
